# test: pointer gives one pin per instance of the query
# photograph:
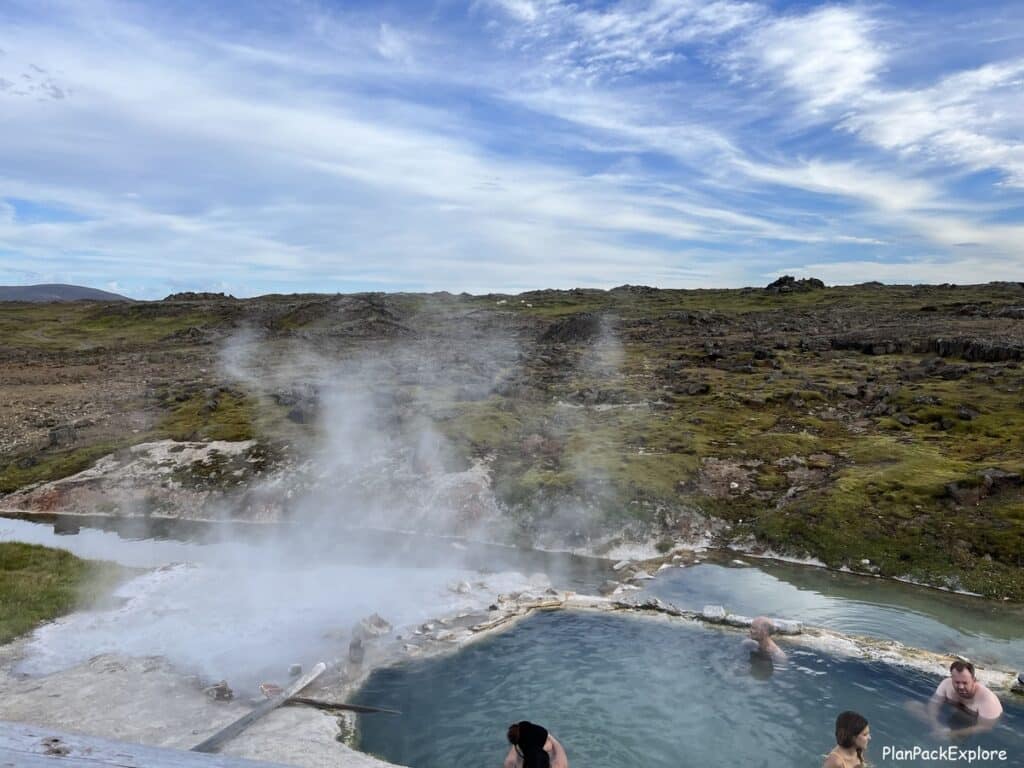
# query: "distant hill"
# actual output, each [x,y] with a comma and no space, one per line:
[56,292]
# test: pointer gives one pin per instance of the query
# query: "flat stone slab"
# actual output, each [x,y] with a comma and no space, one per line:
[29,746]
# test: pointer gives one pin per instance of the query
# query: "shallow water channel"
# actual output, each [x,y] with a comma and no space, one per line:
[622,690]
[985,631]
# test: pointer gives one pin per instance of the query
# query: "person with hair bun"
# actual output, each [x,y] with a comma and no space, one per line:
[533,747]
[852,737]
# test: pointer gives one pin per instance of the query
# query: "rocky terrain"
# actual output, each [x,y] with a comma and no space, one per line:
[879,428]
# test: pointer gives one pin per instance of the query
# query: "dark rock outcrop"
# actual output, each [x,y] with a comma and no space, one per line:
[789,284]
[582,327]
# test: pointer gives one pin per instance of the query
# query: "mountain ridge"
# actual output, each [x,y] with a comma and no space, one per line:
[50,292]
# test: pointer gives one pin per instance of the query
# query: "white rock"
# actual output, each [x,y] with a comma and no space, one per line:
[713,612]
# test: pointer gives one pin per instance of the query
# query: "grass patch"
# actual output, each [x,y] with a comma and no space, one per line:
[84,325]
[53,466]
[38,584]
[211,416]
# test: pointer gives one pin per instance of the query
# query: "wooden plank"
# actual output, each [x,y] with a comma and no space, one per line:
[230,731]
[321,704]
[29,746]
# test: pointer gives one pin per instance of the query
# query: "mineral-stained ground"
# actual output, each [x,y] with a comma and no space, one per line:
[875,427]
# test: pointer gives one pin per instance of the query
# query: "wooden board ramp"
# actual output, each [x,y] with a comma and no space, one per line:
[331,705]
[230,731]
[29,746]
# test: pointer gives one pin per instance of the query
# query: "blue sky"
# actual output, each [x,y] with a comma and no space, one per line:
[506,145]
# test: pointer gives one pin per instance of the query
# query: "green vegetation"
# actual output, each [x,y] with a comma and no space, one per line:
[218,415]
[38,584]
[87,325]
[52,465]
[744,405]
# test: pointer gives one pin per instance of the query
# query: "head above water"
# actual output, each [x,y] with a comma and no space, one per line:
[527,735]
[761,628]
[529,740]
[961,673]
[852,732]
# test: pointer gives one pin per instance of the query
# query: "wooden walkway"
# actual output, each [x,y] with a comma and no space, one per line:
[28,746]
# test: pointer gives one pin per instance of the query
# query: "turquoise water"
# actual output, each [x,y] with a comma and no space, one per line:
[626,691]
[986,631]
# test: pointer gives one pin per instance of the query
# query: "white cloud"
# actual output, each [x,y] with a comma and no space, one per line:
[256,161]
[973,118]
[521,10]
[833,61]
[591,44]
[828,56]
[391,44]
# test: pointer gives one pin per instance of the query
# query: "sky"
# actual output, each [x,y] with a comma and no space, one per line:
[508,145]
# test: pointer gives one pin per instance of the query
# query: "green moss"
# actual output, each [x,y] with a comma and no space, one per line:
[84,325]
[54,465]
[38,584]
[218,416]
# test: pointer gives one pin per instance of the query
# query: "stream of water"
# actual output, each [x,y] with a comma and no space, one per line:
[987,632]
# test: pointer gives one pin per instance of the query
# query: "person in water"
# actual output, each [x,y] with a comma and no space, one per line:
[533,747]
[973,707]
[760,640]
[852,737]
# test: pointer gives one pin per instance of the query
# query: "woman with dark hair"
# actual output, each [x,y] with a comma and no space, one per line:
[533,747]
[852,737]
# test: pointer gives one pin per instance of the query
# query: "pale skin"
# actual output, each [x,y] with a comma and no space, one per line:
[551,746]
[846,757]
[961,690]
[761,633]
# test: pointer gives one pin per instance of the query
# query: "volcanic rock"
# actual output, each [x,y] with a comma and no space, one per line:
[789,284]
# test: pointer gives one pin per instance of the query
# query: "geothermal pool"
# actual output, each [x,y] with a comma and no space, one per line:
[635,691]
[245,604]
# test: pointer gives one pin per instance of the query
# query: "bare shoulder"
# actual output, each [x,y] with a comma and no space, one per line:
[943,688]
[832,761]
[990,705]
[558,756]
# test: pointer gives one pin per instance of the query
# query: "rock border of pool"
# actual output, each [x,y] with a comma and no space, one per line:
[447,635]
[303,730]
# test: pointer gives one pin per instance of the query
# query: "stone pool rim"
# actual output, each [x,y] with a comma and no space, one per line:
[511,610]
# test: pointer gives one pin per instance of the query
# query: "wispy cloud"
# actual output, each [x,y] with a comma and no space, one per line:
[619,38]
[495,146]
[827,56]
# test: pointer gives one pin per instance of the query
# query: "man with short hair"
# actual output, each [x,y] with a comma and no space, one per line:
[969,697]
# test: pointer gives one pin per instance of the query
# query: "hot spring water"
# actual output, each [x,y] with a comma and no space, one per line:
[642,692]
